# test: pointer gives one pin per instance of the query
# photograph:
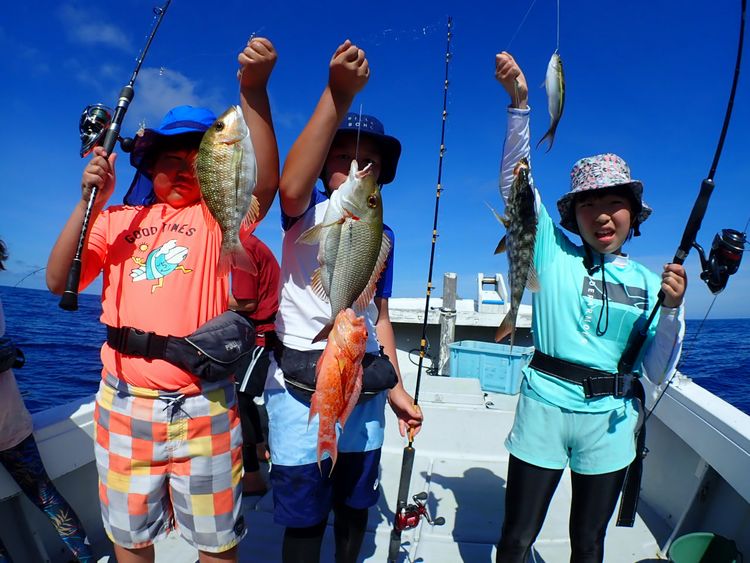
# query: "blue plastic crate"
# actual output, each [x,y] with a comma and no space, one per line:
[497,368]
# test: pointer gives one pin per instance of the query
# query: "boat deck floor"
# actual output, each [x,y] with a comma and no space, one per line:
[461,463]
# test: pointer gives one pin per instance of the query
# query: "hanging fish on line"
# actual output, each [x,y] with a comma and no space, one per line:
[338,376]
[227,173]
[521,223]
[352,248]
[554,83]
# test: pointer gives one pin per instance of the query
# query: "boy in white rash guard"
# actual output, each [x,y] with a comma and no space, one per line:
[591,296]
[305,493]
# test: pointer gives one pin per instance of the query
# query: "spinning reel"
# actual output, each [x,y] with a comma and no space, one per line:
[410,516]
[94,122]
[723,260]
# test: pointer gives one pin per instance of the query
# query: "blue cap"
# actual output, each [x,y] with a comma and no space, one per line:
[372,127]
[181,120]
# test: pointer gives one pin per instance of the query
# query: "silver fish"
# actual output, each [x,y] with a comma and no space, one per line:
[353,249]
[519,241]
[554,83]
[227,173]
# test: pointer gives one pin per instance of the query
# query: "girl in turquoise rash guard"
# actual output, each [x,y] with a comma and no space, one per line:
[591,296]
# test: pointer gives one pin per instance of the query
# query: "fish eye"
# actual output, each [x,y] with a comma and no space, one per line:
[372,201]
[219,125]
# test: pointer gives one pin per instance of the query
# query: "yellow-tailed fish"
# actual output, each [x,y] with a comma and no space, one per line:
[353,249]
[226,170]
[554,83]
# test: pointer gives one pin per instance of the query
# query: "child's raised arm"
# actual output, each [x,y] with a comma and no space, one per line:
[256,63]
[99,172]
[348,74]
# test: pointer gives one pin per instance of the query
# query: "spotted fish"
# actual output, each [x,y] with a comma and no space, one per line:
[521,222]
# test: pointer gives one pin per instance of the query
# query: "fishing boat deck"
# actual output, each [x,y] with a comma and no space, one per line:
[461,463]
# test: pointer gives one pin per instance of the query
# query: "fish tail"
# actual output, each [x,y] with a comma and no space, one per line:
[549,135]
[324,332]
[236,257]
[506,327]
[326,443]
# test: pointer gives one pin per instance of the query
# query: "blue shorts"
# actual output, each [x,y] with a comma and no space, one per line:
[303,494]
[592,443]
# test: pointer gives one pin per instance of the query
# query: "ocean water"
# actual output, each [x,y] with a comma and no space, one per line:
[62,350]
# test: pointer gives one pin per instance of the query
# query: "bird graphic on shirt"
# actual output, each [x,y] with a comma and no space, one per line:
[159,263]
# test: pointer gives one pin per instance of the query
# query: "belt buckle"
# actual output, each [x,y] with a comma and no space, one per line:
[623,384]
[136,342]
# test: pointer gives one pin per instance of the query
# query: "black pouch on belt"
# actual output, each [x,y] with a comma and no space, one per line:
[299,373]
[215,351]
[10,356]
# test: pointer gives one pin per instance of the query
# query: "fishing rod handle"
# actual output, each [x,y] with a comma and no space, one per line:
[407,465]
[69,299]
[694,221]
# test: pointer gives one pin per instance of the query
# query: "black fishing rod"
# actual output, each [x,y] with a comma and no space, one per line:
[724,260]
[725,250]
[408,515]
[97,122]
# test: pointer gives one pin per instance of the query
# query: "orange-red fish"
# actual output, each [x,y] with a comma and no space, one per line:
[339,379]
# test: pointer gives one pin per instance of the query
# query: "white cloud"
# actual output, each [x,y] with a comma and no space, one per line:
[80,27]
[158,91]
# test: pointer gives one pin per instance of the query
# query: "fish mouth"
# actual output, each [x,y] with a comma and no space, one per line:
[366,171]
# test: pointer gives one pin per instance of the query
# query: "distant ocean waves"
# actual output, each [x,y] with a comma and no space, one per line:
[62,350]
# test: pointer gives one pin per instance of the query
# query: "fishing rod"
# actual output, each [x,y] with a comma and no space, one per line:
[724,260]
[408,515]
[97,124]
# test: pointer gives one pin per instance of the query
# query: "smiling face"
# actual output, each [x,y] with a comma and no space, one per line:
[174,177]
[339,159]
[604,219]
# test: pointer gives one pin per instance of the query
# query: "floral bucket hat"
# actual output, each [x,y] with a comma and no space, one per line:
[600,172]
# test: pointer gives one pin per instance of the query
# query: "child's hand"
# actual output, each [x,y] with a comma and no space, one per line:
[409,415]
[256,60]
[348,71]
[673,284]
[509,74]
[99,172]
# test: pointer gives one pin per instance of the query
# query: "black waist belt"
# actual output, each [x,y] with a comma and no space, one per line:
[135,342]
[595,382]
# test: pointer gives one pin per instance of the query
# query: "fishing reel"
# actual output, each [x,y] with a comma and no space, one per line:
[410,515]
[94,122]
[723,260]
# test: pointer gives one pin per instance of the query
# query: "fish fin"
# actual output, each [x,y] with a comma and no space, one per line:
[549,135]
[316,282]
[507,326]
[324,332]
[237,258]
[313,234]
[372,285]
[253,213]
[352,391]
[210,220]
[501,246]
[532,281]
[500,219]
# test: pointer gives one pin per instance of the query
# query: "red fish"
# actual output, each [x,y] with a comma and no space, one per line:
[339,379]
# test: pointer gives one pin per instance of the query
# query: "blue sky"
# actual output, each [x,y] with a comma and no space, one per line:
[647,80]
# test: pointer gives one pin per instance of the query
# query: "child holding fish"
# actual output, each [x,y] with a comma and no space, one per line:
[168,443]
[334,249]
[573,409]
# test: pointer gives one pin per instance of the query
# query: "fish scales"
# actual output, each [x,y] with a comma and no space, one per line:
[227,173]
[520,241]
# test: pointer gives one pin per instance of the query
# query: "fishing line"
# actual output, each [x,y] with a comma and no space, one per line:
[518,29]
[557,48]
[359,128]
[19,282]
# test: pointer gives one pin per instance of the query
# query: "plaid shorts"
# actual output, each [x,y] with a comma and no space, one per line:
[167,460]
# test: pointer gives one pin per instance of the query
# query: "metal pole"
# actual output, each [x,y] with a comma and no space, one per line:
[447,321]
